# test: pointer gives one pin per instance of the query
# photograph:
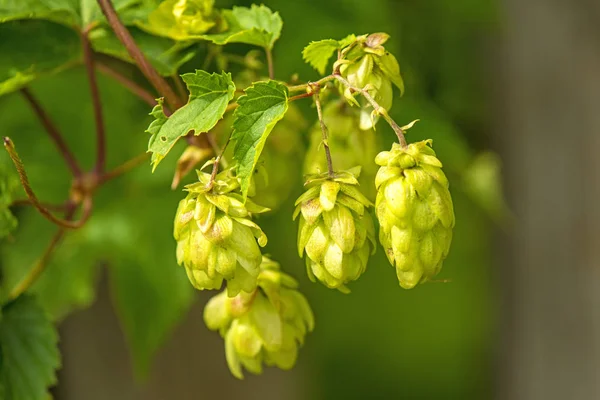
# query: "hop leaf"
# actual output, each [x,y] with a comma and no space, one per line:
[318,53]
[335,232]
[415,212]
[266,326]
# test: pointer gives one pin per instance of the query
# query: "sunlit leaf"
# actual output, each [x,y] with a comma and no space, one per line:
[318,53]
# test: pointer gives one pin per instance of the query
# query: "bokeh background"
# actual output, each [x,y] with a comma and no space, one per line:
[508,91]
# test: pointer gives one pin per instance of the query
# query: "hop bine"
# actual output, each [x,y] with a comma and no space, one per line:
[216,239]
[415,211]
[336,231]
[366,64]
[265,326]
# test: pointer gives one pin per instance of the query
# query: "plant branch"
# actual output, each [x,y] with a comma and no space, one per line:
[270,65]
[215,168]
[129,84]
[27,202]
[324,130]
[376,108]
[10,147]
[159,83]
[123,168]
[52,132]
[88,57]
[300,96]
[304,86]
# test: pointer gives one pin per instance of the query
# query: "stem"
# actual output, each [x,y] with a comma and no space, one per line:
[160,84]
[12,152]
[300,96]
[324,132]
[88,57]
[53,132]
[270,63]
[27,202]
[377,108]
[133,87]
[215,168]
[42,263]
[304,86]
[215,147]
[123,168]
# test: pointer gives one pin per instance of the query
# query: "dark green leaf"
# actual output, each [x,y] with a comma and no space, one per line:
[164,54]
[318,53]
[257,25]
[35,48]
[29,354]
[209,96]
[263,105]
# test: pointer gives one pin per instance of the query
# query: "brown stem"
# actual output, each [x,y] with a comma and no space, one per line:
[323,131]
[270,65]
[88,57]
[52,132]
[215,168]
[133,87]
[377,108]
[159,83]
[27,202]
[123,168]
[304,86]
[10,147]
[300,96]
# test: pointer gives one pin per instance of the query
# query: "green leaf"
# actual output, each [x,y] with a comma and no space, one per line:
[257,25]
[263,105]
[9,184]
[209,96]
[318,53]
[31,49]
[164,54]
[29,353]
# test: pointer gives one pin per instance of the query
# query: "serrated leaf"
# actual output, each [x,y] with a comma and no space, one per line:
[318,53]
[257,25]
[263,105]
[29,353]
[209,96]
[35,48]
[164,54]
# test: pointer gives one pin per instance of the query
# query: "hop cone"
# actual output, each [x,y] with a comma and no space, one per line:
[266,326]
[367,65]
[216,239]
[415,211]
[350,146]
[335,230]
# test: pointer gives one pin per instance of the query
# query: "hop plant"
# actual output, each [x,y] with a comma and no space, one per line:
[216,239]
[415,211]
[335,231]
[350,146]
[367,65]
[263,327]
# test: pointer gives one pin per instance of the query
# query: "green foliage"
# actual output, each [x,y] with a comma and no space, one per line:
[9,183]
[263,105]
[209,96]
[29,354]
[257,25]
[318,53]
[181,20]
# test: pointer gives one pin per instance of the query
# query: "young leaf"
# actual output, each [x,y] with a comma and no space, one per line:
[263,105]
[209,96]
[29,354]
[317,54]
[257,25]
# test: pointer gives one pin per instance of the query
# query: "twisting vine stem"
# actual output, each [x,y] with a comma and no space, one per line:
[315,89]
[53,132]
[64,223]
[88,57]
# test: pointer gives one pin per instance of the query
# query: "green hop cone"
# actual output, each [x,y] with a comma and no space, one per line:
[263,327]
[415,211]
[350,146]
[366,64]
[180,19]
[336,230]
[216,239]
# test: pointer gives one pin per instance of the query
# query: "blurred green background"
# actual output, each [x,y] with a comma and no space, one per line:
[433,342]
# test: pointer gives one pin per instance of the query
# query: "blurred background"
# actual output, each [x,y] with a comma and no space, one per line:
[508,91]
